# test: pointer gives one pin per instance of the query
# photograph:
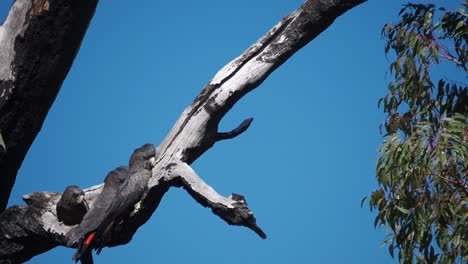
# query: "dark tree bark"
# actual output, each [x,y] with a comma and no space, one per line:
[194,132]
[38,43]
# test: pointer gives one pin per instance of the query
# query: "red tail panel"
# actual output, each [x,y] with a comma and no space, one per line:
[89,239]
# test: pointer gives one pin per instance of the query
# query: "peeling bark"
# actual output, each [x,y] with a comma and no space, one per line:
[38,43]
[194,132]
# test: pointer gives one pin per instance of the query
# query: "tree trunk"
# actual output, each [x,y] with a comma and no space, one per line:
[194,132]
[38,43]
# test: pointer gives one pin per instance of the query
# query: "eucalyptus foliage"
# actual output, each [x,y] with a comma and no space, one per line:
[423,194]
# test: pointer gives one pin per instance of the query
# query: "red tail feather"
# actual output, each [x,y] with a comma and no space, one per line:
[89,239]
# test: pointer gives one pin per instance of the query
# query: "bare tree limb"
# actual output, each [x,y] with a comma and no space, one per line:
[194,132]
[232,209]
[38,43]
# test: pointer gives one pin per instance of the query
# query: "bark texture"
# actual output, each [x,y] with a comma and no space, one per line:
[38,43]
[194,132]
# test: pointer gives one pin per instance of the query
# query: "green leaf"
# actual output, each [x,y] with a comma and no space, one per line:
[403,210]
[460,24]
[363,200]
[390,250]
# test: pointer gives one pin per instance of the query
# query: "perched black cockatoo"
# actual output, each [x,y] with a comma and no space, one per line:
[99,231]
[129,194]
[83,234]
[72,206]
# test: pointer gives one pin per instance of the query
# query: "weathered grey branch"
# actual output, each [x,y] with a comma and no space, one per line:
[195,131]
[232,209]
[38,43]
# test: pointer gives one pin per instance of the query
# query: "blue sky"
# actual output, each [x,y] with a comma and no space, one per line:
[304,165]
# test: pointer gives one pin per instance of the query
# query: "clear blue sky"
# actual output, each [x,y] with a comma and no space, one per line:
[303,166]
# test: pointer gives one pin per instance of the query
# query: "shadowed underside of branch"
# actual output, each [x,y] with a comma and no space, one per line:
[194,132]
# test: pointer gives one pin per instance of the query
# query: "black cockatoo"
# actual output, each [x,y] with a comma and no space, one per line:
[71,207]
[95,215]
[128,195]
